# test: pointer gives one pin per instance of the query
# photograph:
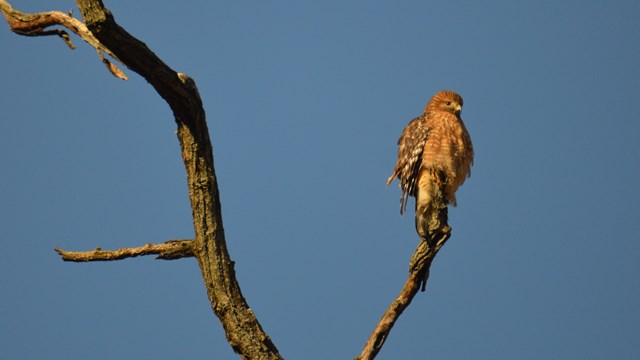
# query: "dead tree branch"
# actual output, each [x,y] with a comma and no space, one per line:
[36,25]
[169,250]
[243,331]
[439,233]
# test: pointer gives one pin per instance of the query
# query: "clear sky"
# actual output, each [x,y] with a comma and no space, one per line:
[305,101]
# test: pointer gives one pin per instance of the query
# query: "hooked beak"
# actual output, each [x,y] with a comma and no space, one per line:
[458,108]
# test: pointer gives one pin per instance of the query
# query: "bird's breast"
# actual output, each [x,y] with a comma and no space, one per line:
[447,150]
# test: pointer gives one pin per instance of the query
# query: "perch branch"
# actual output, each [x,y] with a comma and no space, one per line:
[438,234]
[36,25]
[169,250]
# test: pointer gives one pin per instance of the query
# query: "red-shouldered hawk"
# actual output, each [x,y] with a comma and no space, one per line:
[436,142]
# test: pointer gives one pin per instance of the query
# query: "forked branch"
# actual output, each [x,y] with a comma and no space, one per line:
[243,331]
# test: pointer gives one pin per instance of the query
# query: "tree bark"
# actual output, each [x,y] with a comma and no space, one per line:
[243,331]
[168,250]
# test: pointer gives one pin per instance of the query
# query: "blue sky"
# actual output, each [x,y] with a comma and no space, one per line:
[305,101]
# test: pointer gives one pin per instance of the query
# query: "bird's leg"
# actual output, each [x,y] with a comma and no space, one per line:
[422,222]
[424,207]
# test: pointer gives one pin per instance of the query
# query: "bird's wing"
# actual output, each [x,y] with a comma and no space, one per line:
[410,150]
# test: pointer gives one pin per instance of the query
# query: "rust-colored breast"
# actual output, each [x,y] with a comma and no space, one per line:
[448,148]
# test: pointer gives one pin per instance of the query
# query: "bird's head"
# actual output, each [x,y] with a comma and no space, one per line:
[445,100]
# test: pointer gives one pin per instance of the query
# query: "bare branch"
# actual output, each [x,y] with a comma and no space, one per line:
[36,25]
[169,250]
[243,331]
[439,233]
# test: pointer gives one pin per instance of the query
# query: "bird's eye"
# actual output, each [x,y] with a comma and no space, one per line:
[448,103]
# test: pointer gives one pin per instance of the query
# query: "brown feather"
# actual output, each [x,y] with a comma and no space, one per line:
[436,140]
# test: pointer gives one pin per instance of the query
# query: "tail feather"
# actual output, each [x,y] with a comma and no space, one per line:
[390,179]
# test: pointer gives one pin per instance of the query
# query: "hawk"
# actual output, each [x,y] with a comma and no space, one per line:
[435,148]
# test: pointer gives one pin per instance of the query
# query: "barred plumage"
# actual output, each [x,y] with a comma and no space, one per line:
[410,148]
